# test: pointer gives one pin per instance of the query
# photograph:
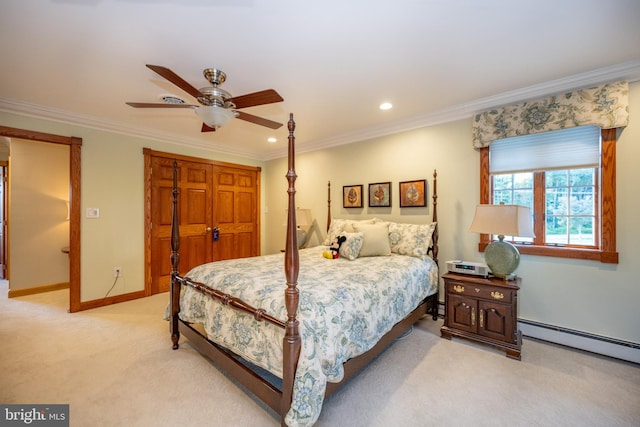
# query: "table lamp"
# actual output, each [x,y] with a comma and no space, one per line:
[303,219]
[502,257]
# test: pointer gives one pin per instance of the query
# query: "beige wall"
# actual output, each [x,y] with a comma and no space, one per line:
[39,191]
[402,157]
[586,296]
[112,169]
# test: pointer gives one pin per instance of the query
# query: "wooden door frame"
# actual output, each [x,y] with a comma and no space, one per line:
[148,155]
[75,149]
[4,168]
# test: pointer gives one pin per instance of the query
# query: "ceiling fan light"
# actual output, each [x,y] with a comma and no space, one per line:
[213,116]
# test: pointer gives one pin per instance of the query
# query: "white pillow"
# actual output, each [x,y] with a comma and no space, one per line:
[376,239]
[411,239]
[339,225]
[350,248]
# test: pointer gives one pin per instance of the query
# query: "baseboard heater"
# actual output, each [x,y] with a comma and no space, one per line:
[619,349]
[612,347]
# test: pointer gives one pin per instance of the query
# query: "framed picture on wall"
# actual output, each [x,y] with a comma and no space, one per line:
[380,195]
[352,196]
[412,193]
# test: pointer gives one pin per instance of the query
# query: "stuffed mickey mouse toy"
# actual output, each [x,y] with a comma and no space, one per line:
[334,249]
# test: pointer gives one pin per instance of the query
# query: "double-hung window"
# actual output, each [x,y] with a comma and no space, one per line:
[567,179]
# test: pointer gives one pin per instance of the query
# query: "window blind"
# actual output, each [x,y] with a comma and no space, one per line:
[560,149]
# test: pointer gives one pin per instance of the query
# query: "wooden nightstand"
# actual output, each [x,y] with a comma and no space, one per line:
[484,310]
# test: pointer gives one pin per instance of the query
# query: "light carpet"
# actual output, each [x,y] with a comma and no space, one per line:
[114,366]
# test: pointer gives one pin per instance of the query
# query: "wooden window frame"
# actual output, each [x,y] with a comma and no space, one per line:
[606,253]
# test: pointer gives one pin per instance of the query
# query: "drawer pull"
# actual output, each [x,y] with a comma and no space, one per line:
[497,295]
[458,288]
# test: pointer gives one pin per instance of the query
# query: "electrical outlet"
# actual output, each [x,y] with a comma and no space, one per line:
[117,272]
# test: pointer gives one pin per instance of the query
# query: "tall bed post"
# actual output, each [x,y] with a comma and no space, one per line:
[434,218]
[328,205]
[292,342]
[175,261]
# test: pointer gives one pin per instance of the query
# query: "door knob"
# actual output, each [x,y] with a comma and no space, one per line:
[208,229]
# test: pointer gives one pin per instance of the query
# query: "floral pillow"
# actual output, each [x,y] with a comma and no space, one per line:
[350,248]
[411,239]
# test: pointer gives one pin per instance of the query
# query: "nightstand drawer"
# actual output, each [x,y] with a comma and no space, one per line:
[492,293]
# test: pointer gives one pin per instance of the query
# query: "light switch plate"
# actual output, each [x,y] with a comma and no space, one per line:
[93,213]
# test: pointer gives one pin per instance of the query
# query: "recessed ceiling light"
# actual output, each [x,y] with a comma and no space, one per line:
[386,106]
[272,139]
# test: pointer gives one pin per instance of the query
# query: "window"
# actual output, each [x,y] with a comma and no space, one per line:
[567,179]
[570,207]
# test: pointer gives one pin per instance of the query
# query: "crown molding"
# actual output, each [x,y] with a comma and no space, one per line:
[75,119]
[629,71]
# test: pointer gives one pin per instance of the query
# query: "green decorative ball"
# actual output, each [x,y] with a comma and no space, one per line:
[502,258]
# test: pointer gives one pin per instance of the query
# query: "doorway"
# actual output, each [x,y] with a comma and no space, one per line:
[75,146]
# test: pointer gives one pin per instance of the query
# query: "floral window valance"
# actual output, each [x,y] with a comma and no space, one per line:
[606,106]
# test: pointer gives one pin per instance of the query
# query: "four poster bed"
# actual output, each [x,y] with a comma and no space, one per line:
[294,345]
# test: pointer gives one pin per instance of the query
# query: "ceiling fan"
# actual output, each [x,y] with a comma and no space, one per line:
[217,106]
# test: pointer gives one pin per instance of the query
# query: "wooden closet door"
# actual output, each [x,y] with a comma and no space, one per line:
[195,217]
[235,213]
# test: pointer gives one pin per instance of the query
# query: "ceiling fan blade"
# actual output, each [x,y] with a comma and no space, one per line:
[258,120]
[206,128]
[176,80]
[268,96]
[158,105]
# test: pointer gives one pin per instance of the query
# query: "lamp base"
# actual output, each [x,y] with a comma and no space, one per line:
[512,276]
[502,258]
[301,237]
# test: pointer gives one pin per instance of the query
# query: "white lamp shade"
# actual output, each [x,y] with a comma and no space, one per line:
[505,220]
[214,116]
[502,257]
[303,217]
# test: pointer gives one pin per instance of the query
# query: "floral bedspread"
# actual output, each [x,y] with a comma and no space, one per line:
[345,307]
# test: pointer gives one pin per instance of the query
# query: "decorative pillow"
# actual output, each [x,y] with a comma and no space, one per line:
[350,248]
[376,239]
[411,239]
[336,227]
[339,225]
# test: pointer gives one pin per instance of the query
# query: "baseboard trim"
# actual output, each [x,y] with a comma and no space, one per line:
[612,347]
[102,302]
[37,289]
[599,344]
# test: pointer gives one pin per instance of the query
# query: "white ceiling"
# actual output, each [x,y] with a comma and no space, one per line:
[333,61]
